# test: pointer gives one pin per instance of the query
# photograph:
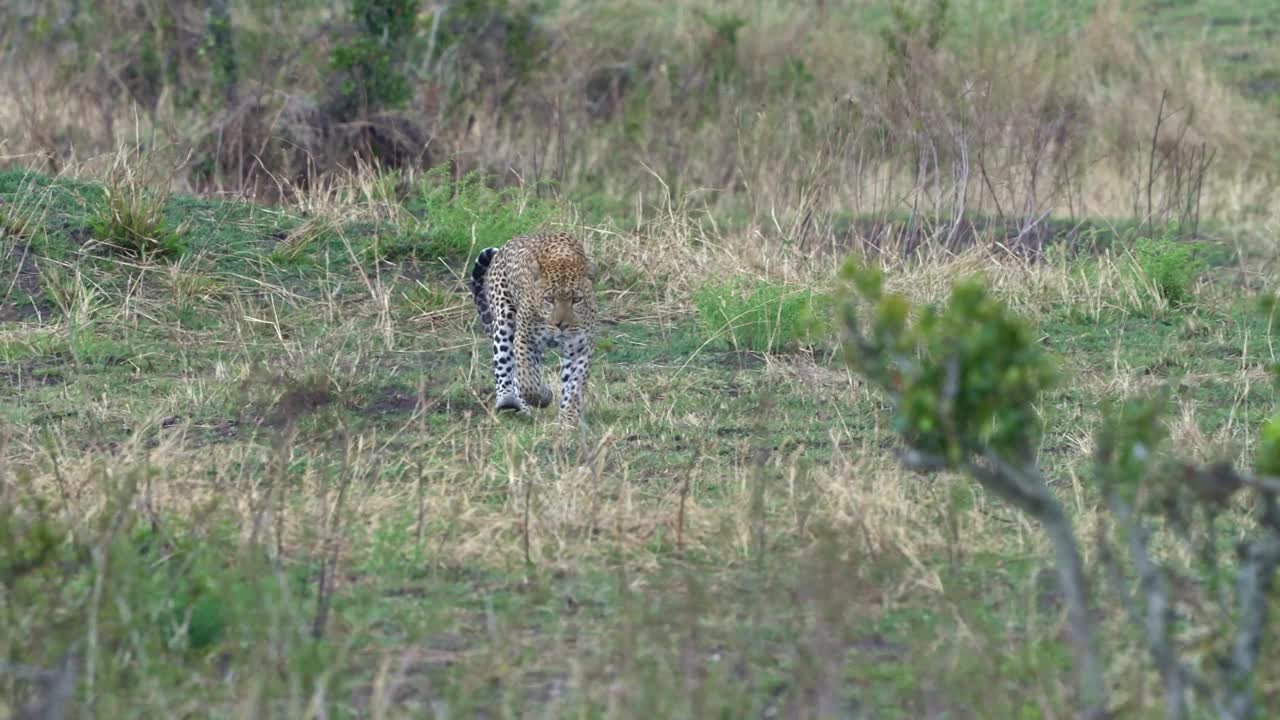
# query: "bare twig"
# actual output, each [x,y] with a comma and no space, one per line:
[1154,589]
[1151,161]
[524,523]
[333,547]
[1027,490]
[1259,560]
[684,497]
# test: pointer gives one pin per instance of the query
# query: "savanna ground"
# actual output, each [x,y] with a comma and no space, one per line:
[250,467]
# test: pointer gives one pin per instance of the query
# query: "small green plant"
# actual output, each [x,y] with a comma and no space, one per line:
[14,225]
[298,241]
[371,66]
[721,51]
[485,44]
[1267,458]
[760,315]
[1148,491]
[23,211]
[1169,266]
[154,592]
[425,301]
[914,27]
[133,224]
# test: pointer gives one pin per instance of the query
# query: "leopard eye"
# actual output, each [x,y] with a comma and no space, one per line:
[577,299]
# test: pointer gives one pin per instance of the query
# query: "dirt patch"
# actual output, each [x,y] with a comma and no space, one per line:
[410,272]
[397,400]
[300,398]
[877,646]
[80,236]
[390,400]
[739,359]
[29,377]
[35,372]
[225,428]
[1264,84]
[23,296]
[208,432]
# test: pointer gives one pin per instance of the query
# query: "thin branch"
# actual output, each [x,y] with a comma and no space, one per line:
[1154,588]
[1258,563]
[1027,490]
[1151,162]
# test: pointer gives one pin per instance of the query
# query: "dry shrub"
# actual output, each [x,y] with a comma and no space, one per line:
[264,147]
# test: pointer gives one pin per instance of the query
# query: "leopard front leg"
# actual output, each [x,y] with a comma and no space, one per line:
[575,367]
[528,369]
[505,361]
[540,395]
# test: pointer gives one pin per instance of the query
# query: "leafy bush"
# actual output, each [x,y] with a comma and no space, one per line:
[965,376]
[759,315]
[1170,267]
[963,382]
[370,80]
[15,224]
[393,20]
[1146,490]
[1267,458]
[721,50]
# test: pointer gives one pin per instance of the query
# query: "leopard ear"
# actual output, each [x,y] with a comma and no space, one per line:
[535,272]
[591,271]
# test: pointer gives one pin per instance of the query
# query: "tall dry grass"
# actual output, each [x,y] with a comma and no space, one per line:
[785,120]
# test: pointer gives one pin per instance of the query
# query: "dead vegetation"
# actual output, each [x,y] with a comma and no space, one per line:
[599,99]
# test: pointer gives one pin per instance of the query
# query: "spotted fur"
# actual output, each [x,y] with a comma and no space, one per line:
[535,293]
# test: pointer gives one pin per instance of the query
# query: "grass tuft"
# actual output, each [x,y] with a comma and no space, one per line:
[131,219]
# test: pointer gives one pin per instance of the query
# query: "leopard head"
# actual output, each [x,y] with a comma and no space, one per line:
[564,277]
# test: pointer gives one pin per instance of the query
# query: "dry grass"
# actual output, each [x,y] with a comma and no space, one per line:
[1054,126]
[289,414]
[341,426]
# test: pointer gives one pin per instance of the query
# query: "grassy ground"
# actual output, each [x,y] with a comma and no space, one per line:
[248,466]
[260,477]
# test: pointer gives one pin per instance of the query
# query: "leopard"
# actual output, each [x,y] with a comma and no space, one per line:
[535,293]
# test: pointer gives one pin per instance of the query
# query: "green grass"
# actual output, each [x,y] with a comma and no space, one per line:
[761,316]
[458,219]
[242,484]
